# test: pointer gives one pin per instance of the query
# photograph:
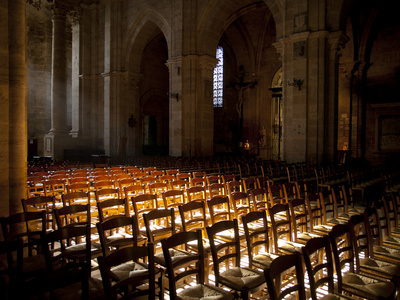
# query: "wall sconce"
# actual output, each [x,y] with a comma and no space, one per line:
[296,83]
[132,122]
[175,96]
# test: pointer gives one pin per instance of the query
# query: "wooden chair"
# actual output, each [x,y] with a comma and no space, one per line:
[41,203]
[143,204]
[78,187]
[76,253]
[173,199]
[257,238]
[276,194]
[73,215]
[289,191]
[241,204]
[215,189]
[105,194]
[249,184]
[219,209]
[112,208]
[54,188]
[187,266]
[380,251]
[318,260]
[35,186]
[343,254]
[160,223]
[281,224]
[260,199]
[118,232]
[18,227]
[363,252]
[273,277]
[196,193]
[245,281]
[158,188]
[123,274]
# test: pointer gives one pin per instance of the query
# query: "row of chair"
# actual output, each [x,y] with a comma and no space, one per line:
[224,229]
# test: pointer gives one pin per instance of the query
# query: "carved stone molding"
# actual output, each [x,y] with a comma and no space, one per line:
[207,65]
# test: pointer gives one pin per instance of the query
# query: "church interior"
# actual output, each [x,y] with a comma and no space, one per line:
[292,101]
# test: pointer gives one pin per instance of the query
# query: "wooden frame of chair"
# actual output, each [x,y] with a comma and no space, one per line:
[282,265]
[111,208]
[219,208]
[41,203]
[73,215]
[229,251]
[249,184]
[343,253]
[141,273]
[188,266]
[260,199]
[117,233]
[31,238]
[196,193]
[362,243]
[241,204]
[317,255]
[143,204]
[281,224]
[256,230]
[216,189]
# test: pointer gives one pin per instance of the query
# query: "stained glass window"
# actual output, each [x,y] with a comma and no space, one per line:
[219,78]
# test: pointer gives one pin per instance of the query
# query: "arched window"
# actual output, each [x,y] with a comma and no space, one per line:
[219,78]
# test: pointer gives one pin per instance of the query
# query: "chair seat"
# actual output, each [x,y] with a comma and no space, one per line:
[289,247]
[264,259]
[127,270]
[391,241]
[362,285]
[80,249]
[380,267]
[242,277]
[201,291]
[386,251]
[176,255]
[96,291]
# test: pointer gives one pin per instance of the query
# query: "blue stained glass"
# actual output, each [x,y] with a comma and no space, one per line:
[218,78]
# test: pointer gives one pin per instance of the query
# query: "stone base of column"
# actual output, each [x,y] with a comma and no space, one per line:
[263,152]
[55,144]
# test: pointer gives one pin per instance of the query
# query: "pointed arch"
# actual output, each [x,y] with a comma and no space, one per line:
[218,15]
[147,23]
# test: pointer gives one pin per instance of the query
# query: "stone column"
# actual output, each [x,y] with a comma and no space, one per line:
[176,101]
[206,135]
[336,42]
[58,74]
[132,83]
[54,140]
[74,18]
[17,107]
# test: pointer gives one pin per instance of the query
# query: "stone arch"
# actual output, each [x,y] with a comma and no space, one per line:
[337,13]
[135,42]
[218,15]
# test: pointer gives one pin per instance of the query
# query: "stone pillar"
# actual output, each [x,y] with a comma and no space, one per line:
[336,42]
[295,137]
[176,101]
[132,99]
[17,107]
[54,141]
[113,77]
[206,134]
[74,18]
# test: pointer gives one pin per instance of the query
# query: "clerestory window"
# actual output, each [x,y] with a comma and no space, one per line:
[219,78]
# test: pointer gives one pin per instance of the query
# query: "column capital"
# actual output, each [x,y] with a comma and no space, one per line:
[336,42]
[207,64]
[74,16]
